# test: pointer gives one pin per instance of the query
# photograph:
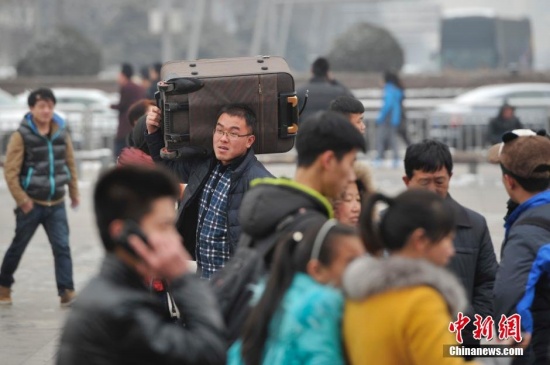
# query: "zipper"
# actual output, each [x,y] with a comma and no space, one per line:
[28,178]
[52,178]
[259,125]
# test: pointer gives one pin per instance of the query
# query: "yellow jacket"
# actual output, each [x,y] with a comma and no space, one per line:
[399,312]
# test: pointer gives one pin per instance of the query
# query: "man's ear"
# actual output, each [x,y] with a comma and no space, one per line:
[115,228]
[406,180]
[250,141]
[326,159]
[510,182]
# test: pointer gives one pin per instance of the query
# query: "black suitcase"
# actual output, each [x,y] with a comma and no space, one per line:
[194,92]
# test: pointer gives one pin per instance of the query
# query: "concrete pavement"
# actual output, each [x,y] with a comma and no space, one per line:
[29,329]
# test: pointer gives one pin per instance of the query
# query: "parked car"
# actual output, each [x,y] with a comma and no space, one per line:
[463,122]
[11,114]
[89,116]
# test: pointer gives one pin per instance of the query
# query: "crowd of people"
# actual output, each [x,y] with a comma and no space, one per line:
[340,272]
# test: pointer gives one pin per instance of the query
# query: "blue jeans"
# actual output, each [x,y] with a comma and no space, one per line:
[54,221]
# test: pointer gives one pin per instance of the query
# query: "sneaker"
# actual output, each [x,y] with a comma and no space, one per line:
[5,295]
[67,298]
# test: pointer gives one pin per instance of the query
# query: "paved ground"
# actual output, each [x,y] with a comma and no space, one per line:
[29,329]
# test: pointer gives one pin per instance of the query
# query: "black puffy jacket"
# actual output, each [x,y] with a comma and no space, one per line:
[116,320]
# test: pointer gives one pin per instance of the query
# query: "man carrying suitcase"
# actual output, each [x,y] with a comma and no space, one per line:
[216,183]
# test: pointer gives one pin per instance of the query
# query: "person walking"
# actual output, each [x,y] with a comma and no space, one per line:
[39,163]
[389,119]
[130,92]
[321,89]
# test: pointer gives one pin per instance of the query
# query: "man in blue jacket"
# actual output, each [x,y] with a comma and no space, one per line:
[522,283]
[216,183]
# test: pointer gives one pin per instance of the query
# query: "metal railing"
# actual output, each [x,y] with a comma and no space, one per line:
[90,128]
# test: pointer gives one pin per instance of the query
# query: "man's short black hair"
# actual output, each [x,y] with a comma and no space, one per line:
[242,111]
[428,156]
[320,67]
[128,193]
[347,105]
[127,70]
[40,94]
[326,131]
[157,66]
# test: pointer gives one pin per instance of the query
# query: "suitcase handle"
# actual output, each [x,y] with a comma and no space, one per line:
[293,129]
[288,115]
[180,85]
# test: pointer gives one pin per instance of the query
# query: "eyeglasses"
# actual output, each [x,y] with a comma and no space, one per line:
[231,135]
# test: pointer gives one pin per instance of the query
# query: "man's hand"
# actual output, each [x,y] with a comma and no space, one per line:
[164,256]
[75,202]
[27,206]
[153,120]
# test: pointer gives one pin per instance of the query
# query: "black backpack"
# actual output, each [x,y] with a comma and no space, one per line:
[233,286]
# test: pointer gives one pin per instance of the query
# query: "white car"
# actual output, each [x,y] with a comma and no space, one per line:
[463,122]
[88,113]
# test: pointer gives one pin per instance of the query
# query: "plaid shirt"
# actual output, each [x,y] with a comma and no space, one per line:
[212,249]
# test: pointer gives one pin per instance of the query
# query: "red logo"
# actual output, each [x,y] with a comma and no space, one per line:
[484,327]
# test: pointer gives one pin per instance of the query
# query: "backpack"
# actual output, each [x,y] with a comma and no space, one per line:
[234,285]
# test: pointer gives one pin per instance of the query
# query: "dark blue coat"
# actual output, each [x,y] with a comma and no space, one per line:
[195,172]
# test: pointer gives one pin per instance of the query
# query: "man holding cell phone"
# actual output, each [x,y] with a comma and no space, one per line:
[116,319]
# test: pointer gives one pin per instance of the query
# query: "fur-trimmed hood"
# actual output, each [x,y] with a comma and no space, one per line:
[369,276]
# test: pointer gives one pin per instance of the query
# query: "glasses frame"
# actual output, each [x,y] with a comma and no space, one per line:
[229,135]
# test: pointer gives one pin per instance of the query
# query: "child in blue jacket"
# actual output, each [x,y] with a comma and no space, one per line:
[297,320]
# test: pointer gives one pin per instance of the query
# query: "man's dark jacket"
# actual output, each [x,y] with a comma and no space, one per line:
[321,91]
[116,320]
[474,263]
[129,94]
[271,201]
[195,172]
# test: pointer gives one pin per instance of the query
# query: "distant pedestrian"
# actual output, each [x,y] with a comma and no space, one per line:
[389,120]
[321,88]
[298,316]
[352,108]
[39,163]
[505,121]
[154,78]
[130,92]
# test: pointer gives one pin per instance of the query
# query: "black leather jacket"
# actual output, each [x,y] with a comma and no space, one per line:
[115,320]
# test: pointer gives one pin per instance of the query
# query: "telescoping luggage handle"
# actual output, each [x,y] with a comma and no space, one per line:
[176,86]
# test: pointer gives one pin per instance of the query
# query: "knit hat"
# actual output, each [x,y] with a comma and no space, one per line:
[523,153]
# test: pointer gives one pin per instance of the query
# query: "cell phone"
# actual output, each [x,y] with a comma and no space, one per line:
[130,227]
